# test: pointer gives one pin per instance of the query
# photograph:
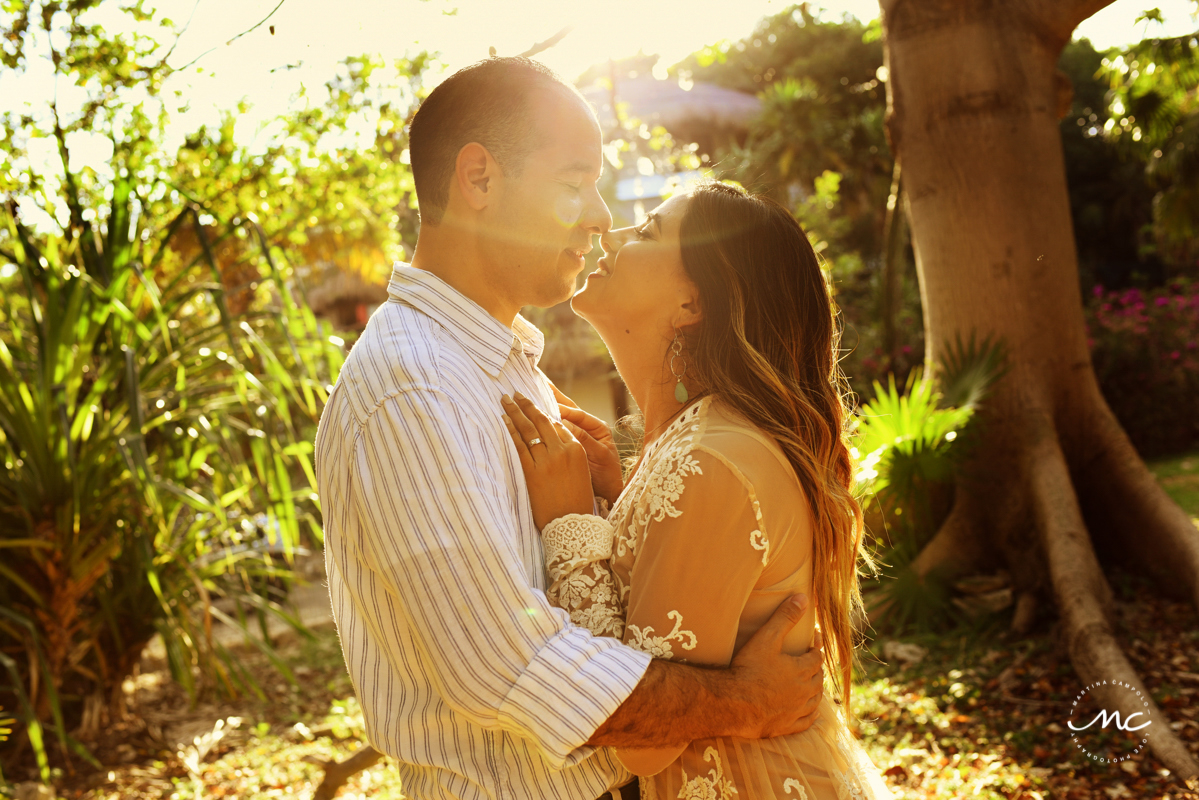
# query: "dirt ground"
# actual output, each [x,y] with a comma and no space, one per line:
[977,717]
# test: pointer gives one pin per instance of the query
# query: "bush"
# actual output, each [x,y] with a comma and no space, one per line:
[1145,349]
[909,447]
[157,458]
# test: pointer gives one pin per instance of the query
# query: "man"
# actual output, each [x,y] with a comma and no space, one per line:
[466,675]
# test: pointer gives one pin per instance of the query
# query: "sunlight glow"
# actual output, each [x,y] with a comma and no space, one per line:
[304,40]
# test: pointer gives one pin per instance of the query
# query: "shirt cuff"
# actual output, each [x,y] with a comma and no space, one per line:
[574,683]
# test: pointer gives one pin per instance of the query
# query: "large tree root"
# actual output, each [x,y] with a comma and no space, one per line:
[956,548]
[338,772]
[1084,600]
[1137,516]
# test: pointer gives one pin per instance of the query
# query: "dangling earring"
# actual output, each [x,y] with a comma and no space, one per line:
[676,352]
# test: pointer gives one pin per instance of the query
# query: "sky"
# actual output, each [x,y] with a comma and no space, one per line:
[311,36]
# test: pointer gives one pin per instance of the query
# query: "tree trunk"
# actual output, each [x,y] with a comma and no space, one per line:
[974,100]
[894,239]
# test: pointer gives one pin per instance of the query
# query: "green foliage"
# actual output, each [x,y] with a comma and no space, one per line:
[907,439]
[819,148]
[330,182]
[1154,108]
[159,385]
[1111,199]
[910,446]
[157,455]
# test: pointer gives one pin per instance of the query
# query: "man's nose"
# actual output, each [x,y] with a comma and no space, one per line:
[596,217]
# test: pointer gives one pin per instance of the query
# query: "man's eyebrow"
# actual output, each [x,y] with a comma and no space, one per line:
[579,166]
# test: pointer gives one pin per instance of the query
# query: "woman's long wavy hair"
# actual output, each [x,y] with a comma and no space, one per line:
[768,347]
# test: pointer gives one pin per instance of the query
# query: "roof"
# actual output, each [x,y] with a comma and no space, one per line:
[668,104]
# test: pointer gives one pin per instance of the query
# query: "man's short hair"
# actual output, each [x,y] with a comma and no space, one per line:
[488,103]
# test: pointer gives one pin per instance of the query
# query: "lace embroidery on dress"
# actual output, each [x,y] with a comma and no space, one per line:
[661,486]
[577,549]
[792,783]
[850,778]
[714,787]
[575,538]
[757,540]
[660,646]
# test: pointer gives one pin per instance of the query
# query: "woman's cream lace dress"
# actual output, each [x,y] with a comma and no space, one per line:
[711,533]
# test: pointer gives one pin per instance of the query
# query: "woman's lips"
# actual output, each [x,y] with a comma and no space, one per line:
[601,271]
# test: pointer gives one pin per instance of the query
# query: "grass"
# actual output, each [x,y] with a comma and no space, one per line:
[1179,476]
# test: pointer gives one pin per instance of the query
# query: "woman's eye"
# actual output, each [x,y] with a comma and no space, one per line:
[642,232]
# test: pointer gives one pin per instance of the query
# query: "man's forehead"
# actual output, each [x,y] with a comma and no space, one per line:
[570,134]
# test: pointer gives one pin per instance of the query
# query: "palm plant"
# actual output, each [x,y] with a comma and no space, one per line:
[910,445]
[150,440]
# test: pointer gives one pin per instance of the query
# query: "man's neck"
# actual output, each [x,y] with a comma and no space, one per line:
[454,256]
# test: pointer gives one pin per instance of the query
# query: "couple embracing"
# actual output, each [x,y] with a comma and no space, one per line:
[521,617]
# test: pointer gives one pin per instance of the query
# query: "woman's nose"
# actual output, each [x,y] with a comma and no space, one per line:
[608,242]
[614,240]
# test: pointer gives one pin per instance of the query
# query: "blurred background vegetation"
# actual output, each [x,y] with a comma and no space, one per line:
[171,323]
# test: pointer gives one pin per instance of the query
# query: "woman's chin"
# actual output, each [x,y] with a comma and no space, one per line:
[582,301]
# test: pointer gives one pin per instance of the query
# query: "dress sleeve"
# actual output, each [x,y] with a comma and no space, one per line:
[700,554]
[577,551]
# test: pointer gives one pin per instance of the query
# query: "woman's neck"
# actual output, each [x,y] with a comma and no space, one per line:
[650,382]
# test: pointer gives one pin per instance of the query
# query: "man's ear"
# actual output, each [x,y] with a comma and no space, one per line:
[475,174]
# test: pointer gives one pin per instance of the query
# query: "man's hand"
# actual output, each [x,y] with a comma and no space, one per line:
[607,478]
[785,690]
[763,693]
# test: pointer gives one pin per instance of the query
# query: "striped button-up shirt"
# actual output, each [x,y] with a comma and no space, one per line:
[466,675]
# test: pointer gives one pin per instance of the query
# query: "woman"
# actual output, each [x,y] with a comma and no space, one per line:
[718,318]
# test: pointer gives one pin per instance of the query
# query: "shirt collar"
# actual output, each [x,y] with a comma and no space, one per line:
[488,340]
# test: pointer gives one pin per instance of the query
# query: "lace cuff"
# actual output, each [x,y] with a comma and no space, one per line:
[577,550]
[574,540]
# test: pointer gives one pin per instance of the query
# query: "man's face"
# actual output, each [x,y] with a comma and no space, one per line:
[543,220]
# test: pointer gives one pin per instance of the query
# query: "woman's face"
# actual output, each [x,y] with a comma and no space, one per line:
[640,289]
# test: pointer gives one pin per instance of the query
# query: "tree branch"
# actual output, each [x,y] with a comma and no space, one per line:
[235,38]
[259,25]
[541,47]
[338,772]
[1063,16]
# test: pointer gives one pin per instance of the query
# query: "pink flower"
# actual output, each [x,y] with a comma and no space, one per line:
[1163,301]
[1098,290]
[1175,355]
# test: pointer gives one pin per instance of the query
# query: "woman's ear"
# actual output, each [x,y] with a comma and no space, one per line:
[690,311]
[475,173]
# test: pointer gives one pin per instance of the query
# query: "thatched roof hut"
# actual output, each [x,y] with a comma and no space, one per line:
[692,112]
[344,297]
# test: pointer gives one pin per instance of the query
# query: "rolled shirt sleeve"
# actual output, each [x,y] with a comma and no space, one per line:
[441,534]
